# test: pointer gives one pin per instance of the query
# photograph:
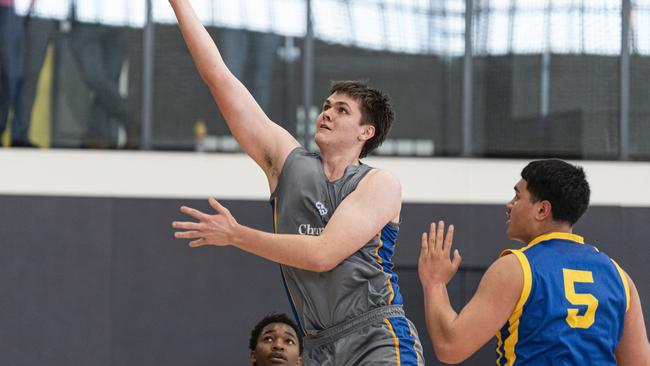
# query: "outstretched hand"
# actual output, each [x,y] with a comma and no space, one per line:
[218,229]
[434,265]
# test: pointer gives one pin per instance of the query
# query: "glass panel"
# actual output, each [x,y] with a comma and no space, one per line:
[98,89]
[116,12]
[83,75]
[577,78]
[294,9]
[585,87]
[407,49]
[338,25]
[185,114]
[368,25]
[81,63]
[56,9]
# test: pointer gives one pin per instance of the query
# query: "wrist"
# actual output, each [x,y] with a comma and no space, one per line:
[238,236]
[434,287]
[243,237]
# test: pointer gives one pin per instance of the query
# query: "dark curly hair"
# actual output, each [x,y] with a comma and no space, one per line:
[269,319]
[562,184]
[375,110]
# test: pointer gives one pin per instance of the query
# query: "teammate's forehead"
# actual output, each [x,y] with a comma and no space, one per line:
[278,327]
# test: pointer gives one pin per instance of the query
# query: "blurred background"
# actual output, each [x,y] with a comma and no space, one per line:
[497,78]
[93,277]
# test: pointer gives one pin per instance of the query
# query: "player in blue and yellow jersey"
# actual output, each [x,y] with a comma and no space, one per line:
[556,301]
[335,218]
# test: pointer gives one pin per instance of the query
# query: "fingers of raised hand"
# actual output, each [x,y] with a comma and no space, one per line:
[432,237]
[193,212]
[187,234]
[440,232]
[198,243]
[217,206]
[185,225]
[424,242]
[457,259]
[449,238]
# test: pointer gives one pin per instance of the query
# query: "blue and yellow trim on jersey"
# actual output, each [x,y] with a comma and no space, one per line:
[384,251]
[626,285]
[399,328]
[506,343]
[404,342]
[555,235]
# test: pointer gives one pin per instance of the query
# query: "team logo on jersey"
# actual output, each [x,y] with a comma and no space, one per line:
[322,210]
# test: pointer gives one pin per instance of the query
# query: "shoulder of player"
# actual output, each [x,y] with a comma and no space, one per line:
[380,182]
[504,266]
[505,275]
[383,178]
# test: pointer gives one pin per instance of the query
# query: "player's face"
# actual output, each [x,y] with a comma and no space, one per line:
[339,123]
[277,345]
[520,213]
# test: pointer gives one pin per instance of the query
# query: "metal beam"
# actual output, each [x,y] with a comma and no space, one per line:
[545,74]
[148,44]
[624,127]
[307,76]
[467,82]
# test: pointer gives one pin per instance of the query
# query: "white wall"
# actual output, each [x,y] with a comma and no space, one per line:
[235,176]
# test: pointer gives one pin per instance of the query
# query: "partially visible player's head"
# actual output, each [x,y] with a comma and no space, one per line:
[375,107]
[562,184]
[550,191]
[276,340]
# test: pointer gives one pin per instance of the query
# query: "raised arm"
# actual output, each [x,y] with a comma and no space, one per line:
[263,140]
[456,336]
[377,199]
[633,348]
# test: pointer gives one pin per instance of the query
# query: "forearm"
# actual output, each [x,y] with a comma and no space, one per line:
[243,115]
[300,251]
[440,317]
[204,52]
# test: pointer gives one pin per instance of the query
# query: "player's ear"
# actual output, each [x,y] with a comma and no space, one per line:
[299,361]
[367,132]
[253,358]
[544,210]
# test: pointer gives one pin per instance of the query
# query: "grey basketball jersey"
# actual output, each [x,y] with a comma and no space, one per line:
[303,203]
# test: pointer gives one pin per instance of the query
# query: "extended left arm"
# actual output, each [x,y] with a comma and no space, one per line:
[456,336]
[377,200]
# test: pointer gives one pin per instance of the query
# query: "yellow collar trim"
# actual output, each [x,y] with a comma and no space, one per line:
[556,235]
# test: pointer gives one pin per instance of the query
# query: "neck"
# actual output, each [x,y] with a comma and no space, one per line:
[334,164]
[553,227]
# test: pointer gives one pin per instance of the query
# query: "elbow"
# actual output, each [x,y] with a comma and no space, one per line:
[322,262]
[322,254]
[321,265]
[449,354]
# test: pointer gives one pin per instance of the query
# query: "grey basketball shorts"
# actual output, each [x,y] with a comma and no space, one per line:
[383,336]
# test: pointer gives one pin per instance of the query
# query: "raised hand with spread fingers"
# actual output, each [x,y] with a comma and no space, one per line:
[218,229]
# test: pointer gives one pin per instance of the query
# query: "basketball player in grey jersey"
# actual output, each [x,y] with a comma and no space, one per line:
[335,217]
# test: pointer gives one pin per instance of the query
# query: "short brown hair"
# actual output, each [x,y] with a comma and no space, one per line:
[375,110]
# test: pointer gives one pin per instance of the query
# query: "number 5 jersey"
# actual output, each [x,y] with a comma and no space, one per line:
[572,306]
